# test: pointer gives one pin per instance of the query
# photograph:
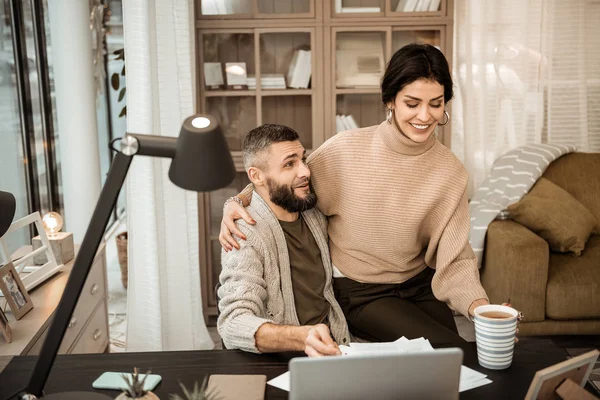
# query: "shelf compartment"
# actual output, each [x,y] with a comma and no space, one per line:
[225,8]
[401,37]
[285,59]
[227,47]
[285,8]
[365,109]
[416,7]
[293,111]
[360,58]
[236,115]
[357,8]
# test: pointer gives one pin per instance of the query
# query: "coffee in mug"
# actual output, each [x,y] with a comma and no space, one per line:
[495,314]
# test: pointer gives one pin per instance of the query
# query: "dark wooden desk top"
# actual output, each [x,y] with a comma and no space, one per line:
[77,372]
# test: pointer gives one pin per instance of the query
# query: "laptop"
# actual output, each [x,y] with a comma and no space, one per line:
[422,375]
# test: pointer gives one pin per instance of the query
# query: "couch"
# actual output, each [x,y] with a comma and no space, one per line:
[558,293]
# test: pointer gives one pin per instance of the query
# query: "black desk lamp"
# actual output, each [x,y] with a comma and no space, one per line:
[201,162]
[8,205]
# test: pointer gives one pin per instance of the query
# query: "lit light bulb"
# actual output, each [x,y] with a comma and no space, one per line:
[52,222]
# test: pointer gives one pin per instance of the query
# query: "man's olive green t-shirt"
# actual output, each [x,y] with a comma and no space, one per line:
[308,274]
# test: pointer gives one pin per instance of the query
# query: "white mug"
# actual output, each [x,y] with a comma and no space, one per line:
[495,337]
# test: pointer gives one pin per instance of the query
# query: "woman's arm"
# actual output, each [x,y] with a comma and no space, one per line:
[233,211]
[456,280]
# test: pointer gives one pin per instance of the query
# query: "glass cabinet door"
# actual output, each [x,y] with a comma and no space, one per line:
[402,37]
[227,60]
[359,59]
[236,116]
[285,60]
[414,6]
[248,9]
[350,8]
[358,111]
[282,8]
[286,93]
[293,111]
[224,8]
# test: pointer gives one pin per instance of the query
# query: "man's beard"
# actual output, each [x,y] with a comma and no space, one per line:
[284,197]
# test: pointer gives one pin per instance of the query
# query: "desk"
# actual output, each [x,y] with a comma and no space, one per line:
[77,372]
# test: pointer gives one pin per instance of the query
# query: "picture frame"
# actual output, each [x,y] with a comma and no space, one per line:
[34,275]
[213,76]
[14,291]
[546,381]
[237,78]
[5,327]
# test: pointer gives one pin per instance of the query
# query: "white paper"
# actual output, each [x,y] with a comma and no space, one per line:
[468,385]
[282,381]
[469,378]
[468,375]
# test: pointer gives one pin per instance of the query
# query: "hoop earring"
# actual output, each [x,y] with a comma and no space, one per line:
[389,115]
[447,119]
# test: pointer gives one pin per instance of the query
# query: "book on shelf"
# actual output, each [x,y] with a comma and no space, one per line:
[213,75]
[423,5]
[345,123]
[299,72]
[267,81]
[359,60]
[354,10]
[236,75]
[434,5]
[338,6]
[407,5]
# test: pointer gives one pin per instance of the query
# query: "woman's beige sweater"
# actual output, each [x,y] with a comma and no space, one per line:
[396,207]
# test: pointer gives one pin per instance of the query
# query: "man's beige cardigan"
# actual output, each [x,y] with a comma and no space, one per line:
[256,282]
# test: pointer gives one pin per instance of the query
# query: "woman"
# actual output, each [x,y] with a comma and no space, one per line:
[397,207]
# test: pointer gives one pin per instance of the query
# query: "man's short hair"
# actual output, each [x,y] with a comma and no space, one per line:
[258,140]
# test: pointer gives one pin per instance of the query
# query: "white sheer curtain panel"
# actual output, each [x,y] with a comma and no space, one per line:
[525,71]
[164,306]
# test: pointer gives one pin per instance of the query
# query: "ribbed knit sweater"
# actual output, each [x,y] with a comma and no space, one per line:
[256,280]
[396,207]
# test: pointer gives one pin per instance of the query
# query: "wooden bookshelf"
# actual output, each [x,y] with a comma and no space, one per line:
[264,34]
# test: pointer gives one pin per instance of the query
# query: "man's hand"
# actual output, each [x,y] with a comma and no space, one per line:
[318,342]
[232,212]
[314,340]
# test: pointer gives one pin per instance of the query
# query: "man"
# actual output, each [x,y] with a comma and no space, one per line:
[276,291]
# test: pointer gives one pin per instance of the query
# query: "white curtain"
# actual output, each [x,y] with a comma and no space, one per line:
[164,306]
[526,71]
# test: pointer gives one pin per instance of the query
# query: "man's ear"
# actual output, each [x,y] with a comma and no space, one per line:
[257,177]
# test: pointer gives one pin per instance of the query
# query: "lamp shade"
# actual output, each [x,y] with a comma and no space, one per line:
[202,160]
[8,205]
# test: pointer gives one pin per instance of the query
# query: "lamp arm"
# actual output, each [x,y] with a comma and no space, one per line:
[81,268]
[150,145]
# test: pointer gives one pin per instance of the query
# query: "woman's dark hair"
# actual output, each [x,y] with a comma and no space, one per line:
[411,63]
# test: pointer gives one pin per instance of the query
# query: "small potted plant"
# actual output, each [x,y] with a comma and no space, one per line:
[135,388]
[196,394]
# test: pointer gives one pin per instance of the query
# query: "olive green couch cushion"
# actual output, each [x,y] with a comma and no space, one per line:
[555,215]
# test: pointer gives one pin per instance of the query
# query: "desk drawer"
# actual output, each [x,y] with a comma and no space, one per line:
[94,337]
[93,291]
